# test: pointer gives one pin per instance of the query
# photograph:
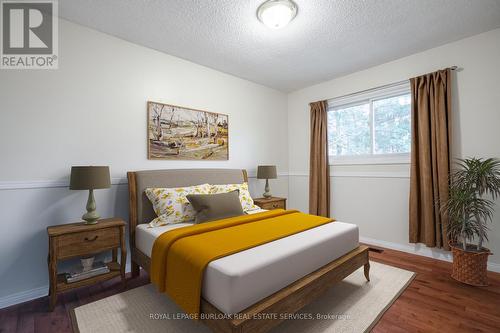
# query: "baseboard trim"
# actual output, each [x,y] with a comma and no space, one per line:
[23,296]
[494,267]
[29,295]
[421,250]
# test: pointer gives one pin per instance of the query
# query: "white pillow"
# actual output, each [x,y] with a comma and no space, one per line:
[171,205]
[245,197]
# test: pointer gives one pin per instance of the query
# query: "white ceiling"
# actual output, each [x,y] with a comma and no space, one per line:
[327,39]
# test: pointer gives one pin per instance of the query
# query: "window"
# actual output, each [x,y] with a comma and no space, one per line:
[372,127]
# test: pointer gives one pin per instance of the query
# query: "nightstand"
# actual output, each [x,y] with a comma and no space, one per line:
[270,203]
[82,240]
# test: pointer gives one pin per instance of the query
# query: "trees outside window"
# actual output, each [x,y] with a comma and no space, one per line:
[373,125]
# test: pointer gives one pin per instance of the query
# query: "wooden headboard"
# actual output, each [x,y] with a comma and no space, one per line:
[140,208]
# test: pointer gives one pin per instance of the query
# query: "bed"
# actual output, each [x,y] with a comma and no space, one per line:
[276,278]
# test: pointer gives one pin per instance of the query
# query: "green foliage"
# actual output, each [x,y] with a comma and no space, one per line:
[350,133]
[392,125]
[467,209]
[481,175]
[464,208]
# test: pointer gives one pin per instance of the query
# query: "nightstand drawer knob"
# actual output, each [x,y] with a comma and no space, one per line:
[91,240]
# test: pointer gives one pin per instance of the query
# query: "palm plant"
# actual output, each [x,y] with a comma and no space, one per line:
[467,209]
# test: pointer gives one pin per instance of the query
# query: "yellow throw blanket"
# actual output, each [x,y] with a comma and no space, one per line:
[180,256]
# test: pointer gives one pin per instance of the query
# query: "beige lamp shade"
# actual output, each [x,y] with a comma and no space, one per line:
[266,172]
[89,178]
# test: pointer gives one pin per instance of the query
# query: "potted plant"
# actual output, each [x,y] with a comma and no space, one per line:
[473,187]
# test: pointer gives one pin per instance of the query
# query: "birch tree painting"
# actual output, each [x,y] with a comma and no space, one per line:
[179,133]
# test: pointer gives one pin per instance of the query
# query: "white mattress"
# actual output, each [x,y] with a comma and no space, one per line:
[235,282]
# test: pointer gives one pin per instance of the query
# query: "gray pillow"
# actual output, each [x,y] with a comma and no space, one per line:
[210,207]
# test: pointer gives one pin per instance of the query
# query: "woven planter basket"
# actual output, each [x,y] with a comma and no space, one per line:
[470,267]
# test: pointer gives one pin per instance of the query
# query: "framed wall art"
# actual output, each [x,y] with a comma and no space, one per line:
[180,133]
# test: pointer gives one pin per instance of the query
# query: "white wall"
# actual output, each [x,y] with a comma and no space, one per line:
[376,197]
[92,110]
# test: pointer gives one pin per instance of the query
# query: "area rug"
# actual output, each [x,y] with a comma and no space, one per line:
[353,305]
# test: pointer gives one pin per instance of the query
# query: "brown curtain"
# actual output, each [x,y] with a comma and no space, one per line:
[319,176]
[430,157]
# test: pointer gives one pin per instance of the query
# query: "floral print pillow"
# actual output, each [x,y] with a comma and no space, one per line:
[171,204]
[245,198]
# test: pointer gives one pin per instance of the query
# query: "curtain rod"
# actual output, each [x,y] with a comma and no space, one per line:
[453,68]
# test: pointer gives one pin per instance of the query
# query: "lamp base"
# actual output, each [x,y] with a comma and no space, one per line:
[267,194]
[92,215]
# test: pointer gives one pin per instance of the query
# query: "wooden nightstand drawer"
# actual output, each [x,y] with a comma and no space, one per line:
[271,203]
[87,242]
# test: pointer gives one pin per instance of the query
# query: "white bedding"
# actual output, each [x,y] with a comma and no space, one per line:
[235,282]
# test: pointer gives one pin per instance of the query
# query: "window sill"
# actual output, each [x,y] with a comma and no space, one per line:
[370,160]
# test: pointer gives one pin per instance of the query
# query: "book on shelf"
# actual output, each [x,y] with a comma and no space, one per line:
[78,274]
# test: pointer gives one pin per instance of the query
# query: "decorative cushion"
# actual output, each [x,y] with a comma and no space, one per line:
[245,198]
[171,205]
[211,207]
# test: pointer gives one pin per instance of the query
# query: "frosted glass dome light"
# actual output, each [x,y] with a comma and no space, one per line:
[276,14]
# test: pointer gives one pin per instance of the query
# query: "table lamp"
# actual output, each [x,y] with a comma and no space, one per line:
[266,172]
[90,178]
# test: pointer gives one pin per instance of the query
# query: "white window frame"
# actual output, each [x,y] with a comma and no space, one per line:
[369,96]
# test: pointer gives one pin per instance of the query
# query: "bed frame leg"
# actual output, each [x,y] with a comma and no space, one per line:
[367,271]
[135,269]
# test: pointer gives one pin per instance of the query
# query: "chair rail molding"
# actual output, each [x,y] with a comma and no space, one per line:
[55,183]
[35,184]
[359,174]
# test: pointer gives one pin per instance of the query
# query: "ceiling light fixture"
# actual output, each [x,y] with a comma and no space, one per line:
[277,13]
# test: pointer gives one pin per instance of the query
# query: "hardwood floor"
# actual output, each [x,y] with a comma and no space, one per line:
[432,303]
[34,316]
